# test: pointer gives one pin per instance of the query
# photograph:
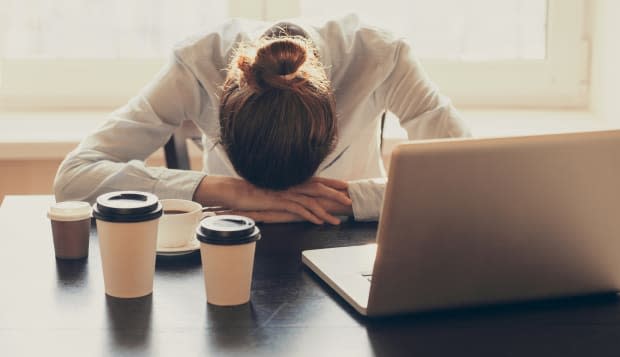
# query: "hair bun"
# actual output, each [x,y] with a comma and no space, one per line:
[276,64]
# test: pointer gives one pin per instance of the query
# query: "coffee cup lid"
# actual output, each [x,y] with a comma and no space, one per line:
[227,230]
[127,206]
[69,211]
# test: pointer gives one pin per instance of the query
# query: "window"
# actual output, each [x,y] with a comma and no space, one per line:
[474,30]
[94,29]
[502,53]
[80,53]
[76,54]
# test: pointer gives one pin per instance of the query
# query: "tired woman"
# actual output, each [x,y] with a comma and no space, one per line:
[290,116]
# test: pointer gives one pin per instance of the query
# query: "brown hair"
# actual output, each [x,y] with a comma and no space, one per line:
[277,112]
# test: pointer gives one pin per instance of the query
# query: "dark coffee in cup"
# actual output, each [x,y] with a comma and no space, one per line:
[177,227]
[174,212]
[70,229]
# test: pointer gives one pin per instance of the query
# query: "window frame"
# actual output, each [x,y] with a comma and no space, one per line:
[561,81]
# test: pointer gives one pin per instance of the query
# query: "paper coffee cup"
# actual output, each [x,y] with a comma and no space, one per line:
[127,223]
[177,226]
[70,229]
[227,250]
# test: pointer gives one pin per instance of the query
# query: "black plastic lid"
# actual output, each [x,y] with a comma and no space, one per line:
[127,206]
[227,230]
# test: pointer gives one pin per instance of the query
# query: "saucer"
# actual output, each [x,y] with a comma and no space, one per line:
[189,248]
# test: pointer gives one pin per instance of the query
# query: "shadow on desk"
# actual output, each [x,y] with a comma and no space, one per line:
[554,327]
[178,263]
[72,272]
[559,327]
[130,321]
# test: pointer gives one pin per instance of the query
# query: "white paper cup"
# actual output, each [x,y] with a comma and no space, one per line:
[227,272]
[178,229]
[227,249]
[127,223]
[128,257]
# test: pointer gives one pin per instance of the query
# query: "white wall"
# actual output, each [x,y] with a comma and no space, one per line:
[605,85]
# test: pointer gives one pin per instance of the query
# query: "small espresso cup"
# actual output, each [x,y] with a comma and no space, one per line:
[70,228]
[127,223]
[177,226]
[227,250]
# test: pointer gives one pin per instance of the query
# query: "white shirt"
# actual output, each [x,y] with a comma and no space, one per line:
[370,72]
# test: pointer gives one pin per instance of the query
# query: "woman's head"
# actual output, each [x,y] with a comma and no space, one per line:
[277,113]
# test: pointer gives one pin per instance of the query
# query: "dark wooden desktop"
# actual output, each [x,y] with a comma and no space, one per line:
[50,307]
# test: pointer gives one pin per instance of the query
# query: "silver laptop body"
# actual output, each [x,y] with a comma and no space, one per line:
[479,221]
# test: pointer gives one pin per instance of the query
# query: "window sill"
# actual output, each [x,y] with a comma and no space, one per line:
[41,136]
[498,123]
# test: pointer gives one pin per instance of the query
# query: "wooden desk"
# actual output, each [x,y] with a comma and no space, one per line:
[50,307]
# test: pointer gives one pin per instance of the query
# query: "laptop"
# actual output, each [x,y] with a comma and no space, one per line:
[484,221]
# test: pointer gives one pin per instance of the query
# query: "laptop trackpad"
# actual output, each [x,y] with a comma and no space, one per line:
[346,269]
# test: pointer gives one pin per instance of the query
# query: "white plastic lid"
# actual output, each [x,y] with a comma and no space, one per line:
[69,211]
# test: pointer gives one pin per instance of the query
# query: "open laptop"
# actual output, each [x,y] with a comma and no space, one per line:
[479,221]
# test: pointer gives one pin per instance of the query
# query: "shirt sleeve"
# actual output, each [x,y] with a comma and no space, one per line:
[367,198]
[422,111]
[112,157]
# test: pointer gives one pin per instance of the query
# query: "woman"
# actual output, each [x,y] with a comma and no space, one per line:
[290,116]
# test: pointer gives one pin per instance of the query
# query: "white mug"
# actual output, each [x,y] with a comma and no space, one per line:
[178,229]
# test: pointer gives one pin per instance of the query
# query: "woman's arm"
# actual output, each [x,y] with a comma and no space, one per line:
[319,200]
[112,157]
[422,111]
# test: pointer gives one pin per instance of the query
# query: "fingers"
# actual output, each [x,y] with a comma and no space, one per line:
[301,202]
[317,189]
[269,216]
[289,208]
[296,207]
[258,200]
[312,205]
[333,183]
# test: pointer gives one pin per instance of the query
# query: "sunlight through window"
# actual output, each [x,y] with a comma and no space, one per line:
[454,29]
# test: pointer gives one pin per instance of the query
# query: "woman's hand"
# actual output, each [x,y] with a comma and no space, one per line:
[337,208]
[333,207]
[309,201]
